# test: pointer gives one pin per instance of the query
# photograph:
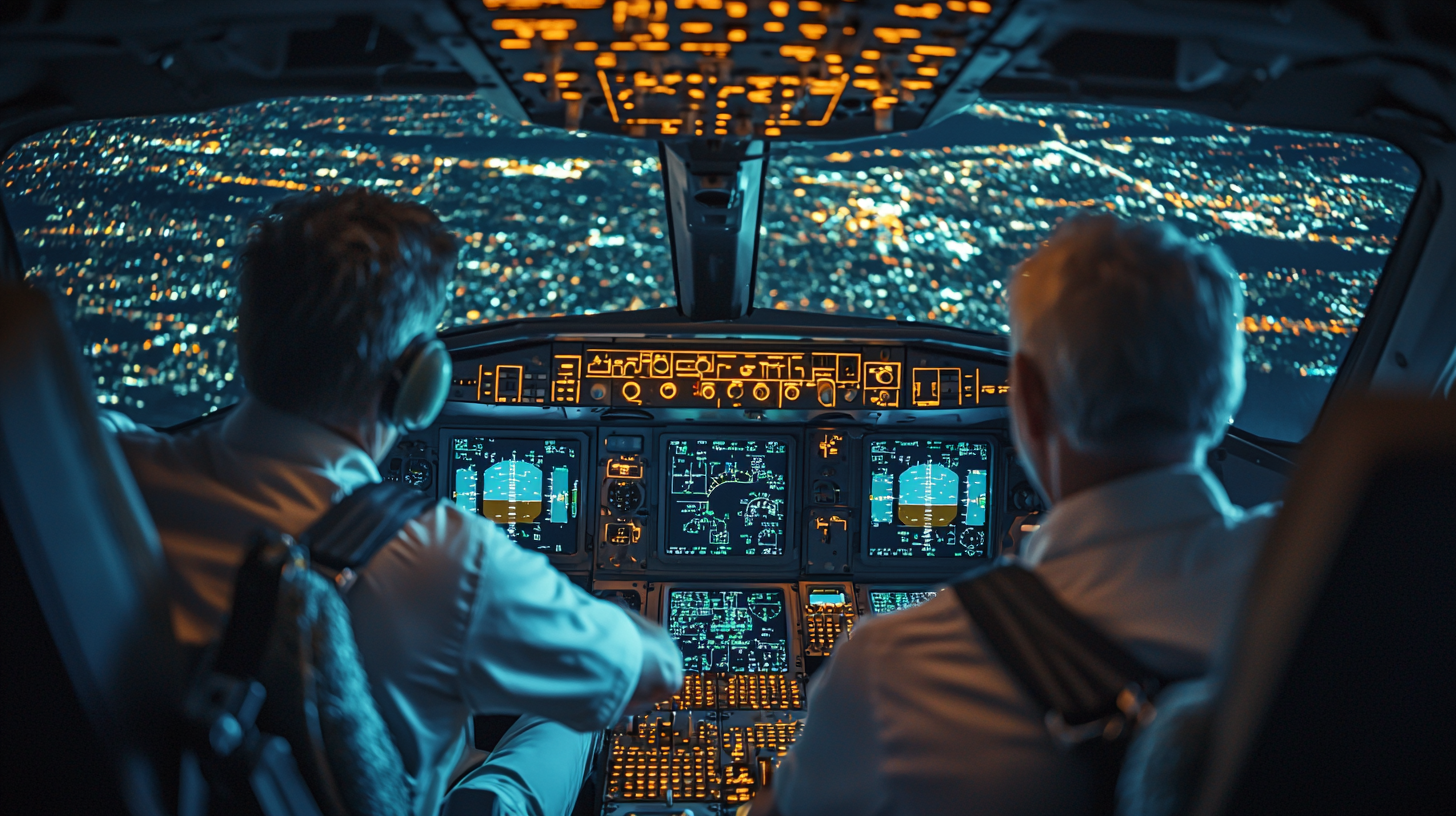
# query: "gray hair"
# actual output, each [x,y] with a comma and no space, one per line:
[1135,329]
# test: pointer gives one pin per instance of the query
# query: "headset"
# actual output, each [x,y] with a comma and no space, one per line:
[418,384]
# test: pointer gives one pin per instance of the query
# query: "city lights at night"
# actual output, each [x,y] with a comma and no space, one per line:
[134,225]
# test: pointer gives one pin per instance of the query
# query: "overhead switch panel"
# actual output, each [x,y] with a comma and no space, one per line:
[710,69]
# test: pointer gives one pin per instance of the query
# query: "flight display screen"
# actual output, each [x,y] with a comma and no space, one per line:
[530,487]
[826,596]
[928,498]
[730,630]
[727,497]
[884,601]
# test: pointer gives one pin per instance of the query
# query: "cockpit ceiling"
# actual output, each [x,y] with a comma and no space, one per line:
[738,69]
[713,68]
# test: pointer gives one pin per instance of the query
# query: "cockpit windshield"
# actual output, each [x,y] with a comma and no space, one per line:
[134,223]
[926,225]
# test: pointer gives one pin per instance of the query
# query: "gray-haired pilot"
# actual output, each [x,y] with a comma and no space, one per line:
[1127,366]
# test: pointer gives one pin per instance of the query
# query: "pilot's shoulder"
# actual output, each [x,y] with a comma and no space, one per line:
[148,450]
[444,520]
[446,524]
[896,634]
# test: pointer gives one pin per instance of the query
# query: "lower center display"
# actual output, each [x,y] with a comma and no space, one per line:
[729,630]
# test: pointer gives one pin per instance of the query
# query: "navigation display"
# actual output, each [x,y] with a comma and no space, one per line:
[928,498]
[884,601]
[726,497]
[530,487]
[729,630]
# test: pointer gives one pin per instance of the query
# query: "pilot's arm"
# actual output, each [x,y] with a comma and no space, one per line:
[835,766]
[539,644]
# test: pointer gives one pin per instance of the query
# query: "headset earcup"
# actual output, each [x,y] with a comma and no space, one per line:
[424,387]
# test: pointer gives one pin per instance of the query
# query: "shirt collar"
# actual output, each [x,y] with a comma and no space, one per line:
[1162,497]
[254,428]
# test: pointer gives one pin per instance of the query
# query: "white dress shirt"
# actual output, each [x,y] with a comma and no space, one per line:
[452,617]
[916,715]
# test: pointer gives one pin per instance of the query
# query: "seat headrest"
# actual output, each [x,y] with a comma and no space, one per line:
[88,545]
[1338,694]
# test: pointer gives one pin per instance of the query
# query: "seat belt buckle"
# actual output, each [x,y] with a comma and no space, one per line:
[342,579]
[1133,707]
[345,580]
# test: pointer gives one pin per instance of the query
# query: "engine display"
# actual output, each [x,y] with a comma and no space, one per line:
[530,487]
[885,601]
[729,630]
[928,498]
[727,497]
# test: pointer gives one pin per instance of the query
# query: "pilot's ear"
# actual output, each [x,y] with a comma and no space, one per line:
[1031,406]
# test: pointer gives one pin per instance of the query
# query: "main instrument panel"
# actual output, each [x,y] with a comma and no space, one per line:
[758,497]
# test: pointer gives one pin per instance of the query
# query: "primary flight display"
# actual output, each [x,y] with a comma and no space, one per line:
[531,487]
[729,630]
[928,497]
[727,497]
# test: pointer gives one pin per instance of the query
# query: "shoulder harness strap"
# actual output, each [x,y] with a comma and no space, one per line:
[352,531]
[1088,685]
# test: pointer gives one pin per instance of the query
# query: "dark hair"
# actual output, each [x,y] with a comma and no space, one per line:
[333,287]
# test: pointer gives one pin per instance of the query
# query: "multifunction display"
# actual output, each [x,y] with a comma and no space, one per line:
[883,601]
[530,487]
[729,630]
[727,497]
[928,497]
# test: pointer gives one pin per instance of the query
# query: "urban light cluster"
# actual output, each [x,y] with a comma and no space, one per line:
[930,233]
[134,225]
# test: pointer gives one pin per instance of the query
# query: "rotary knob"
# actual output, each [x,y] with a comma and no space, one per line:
[624,497]
[1024,499]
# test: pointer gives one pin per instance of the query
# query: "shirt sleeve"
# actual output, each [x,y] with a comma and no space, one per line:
[834,768]
[539,644]
[119,423]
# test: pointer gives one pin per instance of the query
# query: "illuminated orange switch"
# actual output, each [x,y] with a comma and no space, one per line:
[623,534]
[624,468]
[882,375]
[827,525]
[829,446]
[508,383]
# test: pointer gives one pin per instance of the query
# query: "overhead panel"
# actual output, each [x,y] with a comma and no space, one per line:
[728,69]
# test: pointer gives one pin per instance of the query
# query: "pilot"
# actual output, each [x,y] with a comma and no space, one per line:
[1127,366]
[452,618]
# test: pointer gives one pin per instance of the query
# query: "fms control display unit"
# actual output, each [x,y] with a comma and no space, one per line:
[760,500]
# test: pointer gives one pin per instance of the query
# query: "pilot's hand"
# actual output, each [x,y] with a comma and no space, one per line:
[662,672]
[762,805]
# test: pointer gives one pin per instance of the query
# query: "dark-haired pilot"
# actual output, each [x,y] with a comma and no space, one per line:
[452,618]
[1127,365]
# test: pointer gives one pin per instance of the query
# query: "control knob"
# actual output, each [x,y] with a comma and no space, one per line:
[1024,499]
[418,473]
[624,497]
